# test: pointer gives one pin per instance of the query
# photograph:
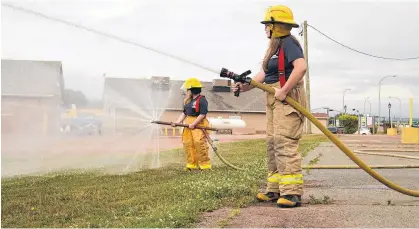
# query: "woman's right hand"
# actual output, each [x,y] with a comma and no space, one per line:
[238,86]
[173,124]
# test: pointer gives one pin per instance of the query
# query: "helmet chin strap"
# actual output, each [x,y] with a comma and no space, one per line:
[278,31]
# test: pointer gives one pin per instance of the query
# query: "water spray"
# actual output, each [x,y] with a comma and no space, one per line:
[245,80]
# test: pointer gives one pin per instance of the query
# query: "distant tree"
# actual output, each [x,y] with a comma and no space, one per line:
[75,97]
[349,123]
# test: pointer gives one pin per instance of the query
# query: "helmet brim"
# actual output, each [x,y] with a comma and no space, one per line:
[293,24]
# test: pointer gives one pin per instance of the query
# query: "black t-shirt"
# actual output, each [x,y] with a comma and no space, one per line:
[292,51]
[189,109]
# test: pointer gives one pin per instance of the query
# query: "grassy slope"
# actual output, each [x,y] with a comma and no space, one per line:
[165,197]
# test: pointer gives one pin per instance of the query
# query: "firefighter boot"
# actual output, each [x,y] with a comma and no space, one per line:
[289,201]
[269,196]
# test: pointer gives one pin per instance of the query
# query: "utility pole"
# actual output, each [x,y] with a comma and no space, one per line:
[373,124]
[307,76]
[359,122]
[410,112]
[327,110]
[364,104]
[400,108]
[379,99]
[343,99]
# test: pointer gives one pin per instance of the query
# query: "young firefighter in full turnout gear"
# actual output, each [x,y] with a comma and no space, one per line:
[283,68]
[194,113]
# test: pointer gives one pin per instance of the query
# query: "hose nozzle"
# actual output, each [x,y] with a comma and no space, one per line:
[242,78]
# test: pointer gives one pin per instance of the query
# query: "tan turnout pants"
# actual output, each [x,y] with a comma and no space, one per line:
[284,130]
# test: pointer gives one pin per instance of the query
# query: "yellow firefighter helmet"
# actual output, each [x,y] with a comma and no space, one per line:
[191,83]
[279,14]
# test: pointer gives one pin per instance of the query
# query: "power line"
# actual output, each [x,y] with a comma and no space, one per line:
[107,35]
[166,54]
[367,54]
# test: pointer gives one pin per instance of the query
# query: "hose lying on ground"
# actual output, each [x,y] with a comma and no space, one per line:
[357,167]
[371,166]
[386,154]
[337,142]
[214,148]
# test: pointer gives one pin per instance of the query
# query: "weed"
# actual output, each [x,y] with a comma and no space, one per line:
[390,203]
[313,162]
[224,222]
[326,200]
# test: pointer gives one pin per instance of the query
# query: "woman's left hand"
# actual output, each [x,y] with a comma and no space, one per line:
[280,94]
[192,126]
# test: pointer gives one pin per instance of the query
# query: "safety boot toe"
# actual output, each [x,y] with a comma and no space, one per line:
[265,197]
[289,201]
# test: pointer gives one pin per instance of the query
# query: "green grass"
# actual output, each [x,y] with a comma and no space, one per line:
[164,197]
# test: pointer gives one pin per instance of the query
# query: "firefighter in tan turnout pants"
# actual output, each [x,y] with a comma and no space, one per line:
[194,113]
[283,68]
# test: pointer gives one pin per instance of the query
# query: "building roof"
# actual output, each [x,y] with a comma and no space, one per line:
[320,115]
[161,92]
[31,78]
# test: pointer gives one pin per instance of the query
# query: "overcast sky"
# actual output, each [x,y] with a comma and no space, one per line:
[223,34]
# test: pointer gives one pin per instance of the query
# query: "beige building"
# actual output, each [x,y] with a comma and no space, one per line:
[31,96]
[323,119]
[161,98]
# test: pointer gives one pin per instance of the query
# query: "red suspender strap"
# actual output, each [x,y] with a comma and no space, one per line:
[197,103]
[281,66]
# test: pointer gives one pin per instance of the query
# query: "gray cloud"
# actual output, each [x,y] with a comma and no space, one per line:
[223,34]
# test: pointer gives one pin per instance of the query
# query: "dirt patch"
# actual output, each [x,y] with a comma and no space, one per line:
[314,184]
[267,215]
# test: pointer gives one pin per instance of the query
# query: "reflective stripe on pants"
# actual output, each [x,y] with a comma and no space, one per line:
[291,179]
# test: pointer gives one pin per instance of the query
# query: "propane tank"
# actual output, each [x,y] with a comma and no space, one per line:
[220,123]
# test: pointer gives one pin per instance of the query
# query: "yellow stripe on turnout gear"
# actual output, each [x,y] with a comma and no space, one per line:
[205,166]
[273,177]
[191,166]
[291,179]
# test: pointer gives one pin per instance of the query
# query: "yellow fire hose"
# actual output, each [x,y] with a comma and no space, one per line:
[386,154]
[357,167]
[211,142]
[338,143]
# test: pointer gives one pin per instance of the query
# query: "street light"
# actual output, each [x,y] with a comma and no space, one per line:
[328,109]
[379,97]
[359,121]
[400,108]
[344,106]
[367,99]
[389,118]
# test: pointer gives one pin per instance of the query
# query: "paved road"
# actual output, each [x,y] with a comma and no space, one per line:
[359,200]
